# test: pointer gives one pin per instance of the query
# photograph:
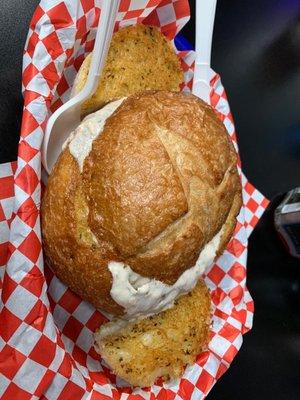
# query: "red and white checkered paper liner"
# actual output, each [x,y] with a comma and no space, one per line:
[46,331]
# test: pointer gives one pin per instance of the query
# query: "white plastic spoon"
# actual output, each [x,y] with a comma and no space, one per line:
[65,120]
[205,17]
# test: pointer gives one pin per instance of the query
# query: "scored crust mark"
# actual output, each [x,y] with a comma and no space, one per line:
[186,158]
[173,247]
[189,164]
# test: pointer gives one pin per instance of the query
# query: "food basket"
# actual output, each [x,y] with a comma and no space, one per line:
[46,331]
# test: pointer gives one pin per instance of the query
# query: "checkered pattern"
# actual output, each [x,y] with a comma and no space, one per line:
[6,213]
[46,331]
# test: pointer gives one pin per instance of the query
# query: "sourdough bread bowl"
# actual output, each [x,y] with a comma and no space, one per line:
[141,201]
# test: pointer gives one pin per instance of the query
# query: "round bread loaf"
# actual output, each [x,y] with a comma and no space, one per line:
[152,189]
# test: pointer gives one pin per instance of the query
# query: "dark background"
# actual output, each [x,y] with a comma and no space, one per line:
[256,50]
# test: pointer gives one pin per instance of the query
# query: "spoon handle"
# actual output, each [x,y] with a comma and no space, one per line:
[205,16]
[104,34]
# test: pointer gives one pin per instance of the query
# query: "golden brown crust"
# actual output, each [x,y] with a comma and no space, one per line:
[140,58]
[161,345]
[68,245]
[158,184]
[231,221]
[129,194]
